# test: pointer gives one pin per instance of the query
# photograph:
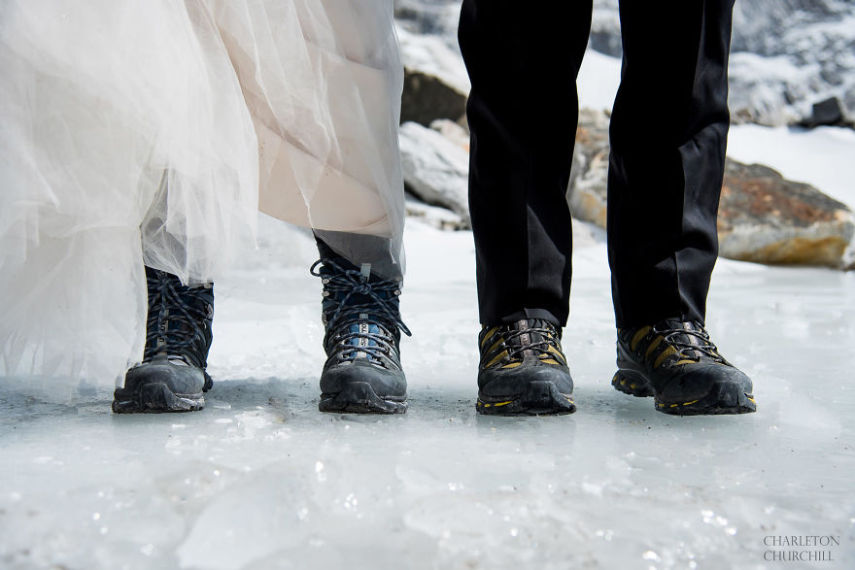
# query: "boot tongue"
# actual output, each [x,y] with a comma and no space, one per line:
[358,295]
[530,337]
[683,338]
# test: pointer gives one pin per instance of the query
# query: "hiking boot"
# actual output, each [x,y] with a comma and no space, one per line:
[677,364]
[172,376]
[363,372]
[523,370]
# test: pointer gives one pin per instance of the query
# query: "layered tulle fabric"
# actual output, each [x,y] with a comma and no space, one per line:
[152,131]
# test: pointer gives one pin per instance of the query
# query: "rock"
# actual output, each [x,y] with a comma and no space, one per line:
[762,216]
[427,98]
[435,216]
[435,169]
[767,219]
[605,28]
[436,17]
[816,38]
[828,112]
[785,55]
[588,177]
[436,85]
[763,89]
[454,132]
[759,26]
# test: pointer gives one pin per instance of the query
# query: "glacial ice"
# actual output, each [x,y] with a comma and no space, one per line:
[261,479]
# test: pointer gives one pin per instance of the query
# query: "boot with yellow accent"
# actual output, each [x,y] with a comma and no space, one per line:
[523,370]
[678,364]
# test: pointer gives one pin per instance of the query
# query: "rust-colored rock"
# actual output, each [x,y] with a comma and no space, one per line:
[763,217]
[766,218]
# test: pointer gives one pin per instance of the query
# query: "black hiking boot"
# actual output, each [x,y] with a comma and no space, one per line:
[172,376]
[677,364]
[363,372]
[523,370]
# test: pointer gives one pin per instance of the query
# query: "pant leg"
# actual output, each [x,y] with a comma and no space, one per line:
[668,139]
[522,112]
[352,250]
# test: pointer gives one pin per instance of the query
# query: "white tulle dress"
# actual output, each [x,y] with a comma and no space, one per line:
[153,131]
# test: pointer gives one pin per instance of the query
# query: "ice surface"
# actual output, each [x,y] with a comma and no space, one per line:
[261,479]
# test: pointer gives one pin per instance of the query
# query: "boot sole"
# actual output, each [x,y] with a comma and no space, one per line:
[632,383]
[541,398]
[360,398]
[722,399]
[153,398]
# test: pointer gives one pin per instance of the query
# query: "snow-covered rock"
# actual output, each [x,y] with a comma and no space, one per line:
[435,169]
[453,131]
[762,89]
[786,54]
[434,216]
[430,17]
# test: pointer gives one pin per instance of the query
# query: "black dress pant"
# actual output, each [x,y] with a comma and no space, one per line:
[668,138]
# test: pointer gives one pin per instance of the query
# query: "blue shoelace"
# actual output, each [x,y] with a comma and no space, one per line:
[361,307]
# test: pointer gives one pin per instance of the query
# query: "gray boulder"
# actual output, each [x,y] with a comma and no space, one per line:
[435,169]
[435,81]
[436,216]
[829,112]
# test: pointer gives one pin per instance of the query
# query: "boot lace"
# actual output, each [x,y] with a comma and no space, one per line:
[175,312]
[547,333]
[366,317]
[506,345]
[691,344]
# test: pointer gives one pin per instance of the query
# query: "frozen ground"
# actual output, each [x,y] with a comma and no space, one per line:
[260,479]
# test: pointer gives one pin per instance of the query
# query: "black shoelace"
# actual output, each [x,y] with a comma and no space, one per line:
[685,347]
[358,299]
[186,307]
[549,337]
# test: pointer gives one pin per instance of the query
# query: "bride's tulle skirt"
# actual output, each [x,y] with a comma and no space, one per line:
[152,132]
